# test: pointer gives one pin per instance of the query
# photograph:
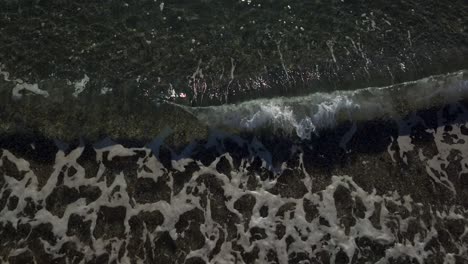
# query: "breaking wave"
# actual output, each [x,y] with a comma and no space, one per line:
[309,114]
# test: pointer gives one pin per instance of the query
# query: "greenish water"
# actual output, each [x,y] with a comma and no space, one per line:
[205,131]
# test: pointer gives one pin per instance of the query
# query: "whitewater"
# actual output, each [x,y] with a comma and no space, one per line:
[307,115]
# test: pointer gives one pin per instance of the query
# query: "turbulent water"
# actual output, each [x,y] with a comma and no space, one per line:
[307,115]
[377,175]
[227,131]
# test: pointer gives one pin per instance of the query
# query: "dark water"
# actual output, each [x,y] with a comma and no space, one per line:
[375,179]
[230,51]
[233,132]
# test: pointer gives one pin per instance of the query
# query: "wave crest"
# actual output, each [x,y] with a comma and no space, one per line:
[309,114]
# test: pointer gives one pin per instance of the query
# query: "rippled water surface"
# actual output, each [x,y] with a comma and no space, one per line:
[234,132]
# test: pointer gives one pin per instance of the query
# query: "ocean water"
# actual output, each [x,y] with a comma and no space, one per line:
[232,132]
[376,175]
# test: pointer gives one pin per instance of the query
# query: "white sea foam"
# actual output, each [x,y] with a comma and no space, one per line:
[80,85]
[388,228]
[33,88]
[20,85]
